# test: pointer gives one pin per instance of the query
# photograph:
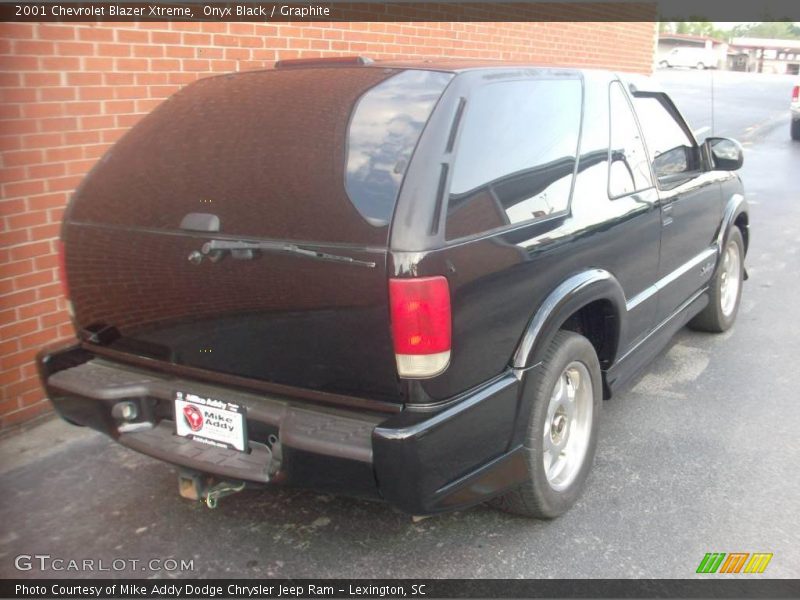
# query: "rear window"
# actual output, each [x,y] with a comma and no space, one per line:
[301,154]
[384,130]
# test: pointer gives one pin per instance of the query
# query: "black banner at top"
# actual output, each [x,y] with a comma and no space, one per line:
[400,11]
[741,587]
[310,11]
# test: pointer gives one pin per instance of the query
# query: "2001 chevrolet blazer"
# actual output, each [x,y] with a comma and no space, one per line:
[414,282]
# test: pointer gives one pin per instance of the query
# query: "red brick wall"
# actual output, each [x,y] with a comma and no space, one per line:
[68,91]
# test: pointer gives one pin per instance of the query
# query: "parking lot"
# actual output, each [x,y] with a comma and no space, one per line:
[700,455]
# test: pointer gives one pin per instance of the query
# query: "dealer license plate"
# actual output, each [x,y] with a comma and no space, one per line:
[209,421]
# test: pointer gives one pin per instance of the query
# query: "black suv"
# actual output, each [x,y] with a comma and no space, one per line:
[408,281]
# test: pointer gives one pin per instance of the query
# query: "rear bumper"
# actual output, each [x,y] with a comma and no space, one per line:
[422,461]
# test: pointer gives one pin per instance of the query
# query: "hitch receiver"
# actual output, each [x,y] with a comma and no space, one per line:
[204,488]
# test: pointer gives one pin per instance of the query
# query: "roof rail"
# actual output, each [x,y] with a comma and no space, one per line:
[331,61]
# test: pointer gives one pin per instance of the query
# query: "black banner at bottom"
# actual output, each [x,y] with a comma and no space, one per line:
[734,587]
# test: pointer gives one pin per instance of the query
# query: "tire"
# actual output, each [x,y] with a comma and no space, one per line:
[796,129]
[663,64]
[723,304]
[700,66]
[569,362]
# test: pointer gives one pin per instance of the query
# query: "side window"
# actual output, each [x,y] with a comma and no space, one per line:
[672,151]
[629,170]
[516,155]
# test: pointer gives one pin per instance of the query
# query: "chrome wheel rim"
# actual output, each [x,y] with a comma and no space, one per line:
[568,426]
[730,277]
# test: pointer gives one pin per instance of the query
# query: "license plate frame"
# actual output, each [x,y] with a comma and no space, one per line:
[211,421]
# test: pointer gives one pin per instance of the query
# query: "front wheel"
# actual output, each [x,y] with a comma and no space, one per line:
[700,66]
[562,430]
[796,129]
[663,64]
[725,292]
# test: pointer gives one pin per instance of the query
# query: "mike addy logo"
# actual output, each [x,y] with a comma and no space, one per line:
[734,562]
[193,417]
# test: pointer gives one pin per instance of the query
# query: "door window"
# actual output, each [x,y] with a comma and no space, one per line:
[674,154]
[629,170]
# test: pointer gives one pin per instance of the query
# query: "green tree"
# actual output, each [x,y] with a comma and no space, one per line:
[699,27]
[781,30]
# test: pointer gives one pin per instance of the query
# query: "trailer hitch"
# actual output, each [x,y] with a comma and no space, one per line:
[199,487]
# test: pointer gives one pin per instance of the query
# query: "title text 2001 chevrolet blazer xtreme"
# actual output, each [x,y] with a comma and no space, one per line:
[407,281]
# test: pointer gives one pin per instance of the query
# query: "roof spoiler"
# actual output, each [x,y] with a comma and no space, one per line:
[332,61]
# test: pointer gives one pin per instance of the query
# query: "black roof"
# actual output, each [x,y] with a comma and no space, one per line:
[453,65]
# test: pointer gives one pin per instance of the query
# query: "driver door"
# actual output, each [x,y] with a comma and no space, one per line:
[690,200]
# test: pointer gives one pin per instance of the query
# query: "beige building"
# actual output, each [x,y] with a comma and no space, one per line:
[762,55]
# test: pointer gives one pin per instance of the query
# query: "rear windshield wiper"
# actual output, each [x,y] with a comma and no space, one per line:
[215,250]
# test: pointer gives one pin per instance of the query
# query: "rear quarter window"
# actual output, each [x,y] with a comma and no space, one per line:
[516,155]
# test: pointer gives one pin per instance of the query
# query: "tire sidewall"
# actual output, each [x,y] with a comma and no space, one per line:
[572,347]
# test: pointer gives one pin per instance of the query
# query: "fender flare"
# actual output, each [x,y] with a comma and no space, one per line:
[570,296]
[734,207]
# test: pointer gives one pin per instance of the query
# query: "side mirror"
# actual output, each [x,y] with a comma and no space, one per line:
[724,154]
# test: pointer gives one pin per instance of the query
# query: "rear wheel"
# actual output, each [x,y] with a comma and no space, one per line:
[796,129]
[562,430]
[663,64]
[726,288]
[700,66]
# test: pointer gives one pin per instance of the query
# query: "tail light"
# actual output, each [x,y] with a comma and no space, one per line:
[62,269]
[796,94]
[421,325]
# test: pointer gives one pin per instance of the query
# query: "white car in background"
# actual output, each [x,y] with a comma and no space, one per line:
[795,108]
[696,58]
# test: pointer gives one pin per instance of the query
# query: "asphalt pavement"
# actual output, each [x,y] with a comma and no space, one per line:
[744,105]
[701,455]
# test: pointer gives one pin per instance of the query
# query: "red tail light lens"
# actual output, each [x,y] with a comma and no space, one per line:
[421,325]
[796,93]
[62,269]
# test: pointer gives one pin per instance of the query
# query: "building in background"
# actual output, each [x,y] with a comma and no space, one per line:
[761,55]
[68,91]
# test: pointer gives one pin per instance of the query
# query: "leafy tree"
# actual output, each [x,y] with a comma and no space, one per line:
[786,30]
[699,27]
[781,30]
